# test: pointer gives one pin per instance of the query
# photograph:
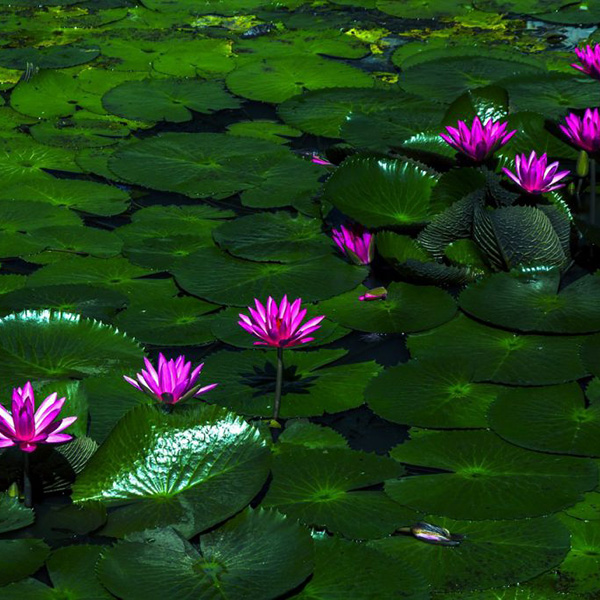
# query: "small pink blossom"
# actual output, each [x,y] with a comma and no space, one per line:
[583,132]
[25,427]
[589,57]
[279,326]
[356,242]
[535,175]
[480,141]
[172,382]
[317,160]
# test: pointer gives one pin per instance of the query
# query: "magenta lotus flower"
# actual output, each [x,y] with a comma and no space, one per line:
[25,427]
[173,381]
[317,160]
[589,57]
[280,326]
[379,293]
[356,242]
[583,132]
[535,175]
[480,141]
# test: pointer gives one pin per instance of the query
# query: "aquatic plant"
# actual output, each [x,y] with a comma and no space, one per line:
[589,57]
[535,175]
[356,242]
[583,132]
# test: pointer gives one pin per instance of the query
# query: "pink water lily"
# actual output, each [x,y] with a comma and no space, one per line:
[279,326]
[172,382]
[356,242]
[589,57]
[583,132]
[317,160]
[378,293]
[26,427]
[535,175]
[480,141]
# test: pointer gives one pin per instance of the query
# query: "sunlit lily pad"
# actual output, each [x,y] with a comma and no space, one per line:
[398,191]
[493,553]
[588,509]
[406,308]
[240,281]
[190,469]
[548,419]
[321,488]
[196,57]
[487,478]
[279,78]
[310,386]
[258,554]
[502,356]
[438,394]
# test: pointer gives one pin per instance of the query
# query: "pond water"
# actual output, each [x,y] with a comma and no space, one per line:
[167,164]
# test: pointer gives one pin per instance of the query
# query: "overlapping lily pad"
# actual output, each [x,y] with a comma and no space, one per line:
[548,419]
[13,515]
[501,356]
[259,554]
[322,488]
[398,191]
[310,386]
[190,469]
[21,557]
[487,478]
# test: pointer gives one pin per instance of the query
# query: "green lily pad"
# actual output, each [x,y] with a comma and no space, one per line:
[30,216]
[486,103]
[486,478]
[445,79]
[301,432]
[310,387]
[320,488]
[86,196]
[13,514]
[398,191]
[51,57]
[195,58]
[406,309]
[590,354]
[50,345]
[190,469]
[166,99]
[240,281]
[225,328]
[425,393]
[534,303]
[9,283]
[162,254]
[416,9]
[548,419]
[258,554]
[194,164]
[273,236]
[172,322]
[264,129]
[588,509]
[493,553]
[519,6]
[22,245]
[19,558]
[502,356]
[68,238]
[276,79]
[345,569]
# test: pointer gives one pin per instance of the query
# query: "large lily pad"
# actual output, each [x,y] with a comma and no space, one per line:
[486,478]
[534,303]
[502,356]
[398,191]
[322,488]
[50,57]
[548,419]
[406,309]
[240,281]
[279,78]
[493,553]
[310,387]
[190,469]
[259,554]
[426,393]
[21,557]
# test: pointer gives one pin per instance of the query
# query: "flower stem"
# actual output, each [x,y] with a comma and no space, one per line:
[592,191]
[278,383]
[27,489]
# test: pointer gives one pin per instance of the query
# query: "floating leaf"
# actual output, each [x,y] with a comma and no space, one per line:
[13,515]
[50,57]
[301,432]
[19,558]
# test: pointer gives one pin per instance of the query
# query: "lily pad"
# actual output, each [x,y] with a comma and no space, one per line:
[493,553]
[21,557]
[166,99]
[416,9]
[406,309]
[13,515]
[301,432]
[321,488]
[278,78]
[398,191]
[588,509]
[51,57]
[190,469]
[437,394]
[240,281]
[68,238]
[501,356]
[548,419]
[273,131]
[486,478]
[259,554]
[310,387]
